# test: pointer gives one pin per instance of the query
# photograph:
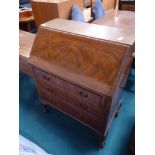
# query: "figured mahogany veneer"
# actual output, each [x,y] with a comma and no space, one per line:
[80,68]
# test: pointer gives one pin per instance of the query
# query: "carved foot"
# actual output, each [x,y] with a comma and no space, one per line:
[44,108]
[101,144]
[101,141]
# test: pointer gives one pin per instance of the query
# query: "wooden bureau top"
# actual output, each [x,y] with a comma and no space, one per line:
[26,40]
[84,54]
[110,34]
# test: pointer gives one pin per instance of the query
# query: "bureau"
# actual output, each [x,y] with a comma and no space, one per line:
[80,69]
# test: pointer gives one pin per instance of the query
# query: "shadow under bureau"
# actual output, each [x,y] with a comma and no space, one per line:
[80,69]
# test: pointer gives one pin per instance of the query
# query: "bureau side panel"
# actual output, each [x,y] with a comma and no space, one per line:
[115,105]
[44,11]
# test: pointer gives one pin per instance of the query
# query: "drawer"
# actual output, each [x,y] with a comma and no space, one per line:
[51,100]
[53,90]
[49,78]
[82,116]
[71,110]
[96,112]
[83,94]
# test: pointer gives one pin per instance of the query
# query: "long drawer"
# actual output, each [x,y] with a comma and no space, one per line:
[83,94]
[66,96]
[70,110]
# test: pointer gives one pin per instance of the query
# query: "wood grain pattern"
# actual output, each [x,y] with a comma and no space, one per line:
[26,40]
[68,96]
[90,97]
[79,57]
[96,31]
[71,111]
[46,10]
[79,72]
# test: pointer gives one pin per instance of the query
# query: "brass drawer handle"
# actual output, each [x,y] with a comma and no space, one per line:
[46,78]
[82,94]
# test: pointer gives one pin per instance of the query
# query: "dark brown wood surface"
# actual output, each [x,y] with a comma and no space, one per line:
[25,19]
[97,62]
[26,40]
[79,69]
[128,5]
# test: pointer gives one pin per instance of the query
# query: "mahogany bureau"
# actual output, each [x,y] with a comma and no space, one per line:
[80,68]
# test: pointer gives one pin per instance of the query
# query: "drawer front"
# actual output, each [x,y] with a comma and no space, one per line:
[96,112]
[53,90]
[71,110]
[83,94]
[82,116]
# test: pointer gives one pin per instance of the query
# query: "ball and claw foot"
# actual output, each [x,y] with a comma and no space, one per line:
[45,109]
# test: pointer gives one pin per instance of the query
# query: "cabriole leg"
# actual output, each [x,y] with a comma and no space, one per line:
[101,141]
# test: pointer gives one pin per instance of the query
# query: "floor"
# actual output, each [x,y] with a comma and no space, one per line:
[59,134]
